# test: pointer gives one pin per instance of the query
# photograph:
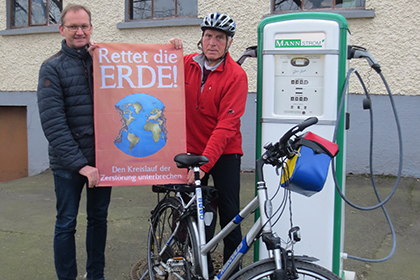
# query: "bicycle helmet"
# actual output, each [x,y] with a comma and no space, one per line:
[220,22]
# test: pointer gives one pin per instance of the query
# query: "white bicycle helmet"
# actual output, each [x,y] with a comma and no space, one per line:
[220,22]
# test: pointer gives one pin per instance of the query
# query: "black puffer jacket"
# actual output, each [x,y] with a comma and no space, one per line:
[65,101]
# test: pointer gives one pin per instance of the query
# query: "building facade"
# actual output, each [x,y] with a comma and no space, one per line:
[386,28]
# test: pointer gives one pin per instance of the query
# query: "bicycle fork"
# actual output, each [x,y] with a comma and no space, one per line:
[270,239]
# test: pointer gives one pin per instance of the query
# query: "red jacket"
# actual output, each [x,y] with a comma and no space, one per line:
[213,114]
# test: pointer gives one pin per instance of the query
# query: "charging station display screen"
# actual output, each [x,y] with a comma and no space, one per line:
[299,85]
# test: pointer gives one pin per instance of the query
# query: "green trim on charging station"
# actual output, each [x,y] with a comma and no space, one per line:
[342,67]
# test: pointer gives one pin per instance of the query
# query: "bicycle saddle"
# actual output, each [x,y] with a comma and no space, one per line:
[187,160]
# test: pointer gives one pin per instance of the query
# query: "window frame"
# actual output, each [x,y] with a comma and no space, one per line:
[355,12]
[29,29]
[155,22]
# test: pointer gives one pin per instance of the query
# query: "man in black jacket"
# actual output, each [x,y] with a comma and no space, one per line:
[65,100]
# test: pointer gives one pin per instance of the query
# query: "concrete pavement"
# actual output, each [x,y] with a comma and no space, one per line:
[27,215]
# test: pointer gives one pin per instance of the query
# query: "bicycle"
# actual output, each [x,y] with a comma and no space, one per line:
[177,247]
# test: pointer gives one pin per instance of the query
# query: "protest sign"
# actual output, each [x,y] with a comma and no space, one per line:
[139,111]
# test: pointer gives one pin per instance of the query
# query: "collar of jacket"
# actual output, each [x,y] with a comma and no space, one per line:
[78,53]
[201,58]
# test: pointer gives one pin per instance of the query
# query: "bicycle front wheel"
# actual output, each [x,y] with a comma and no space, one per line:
[172,251]
[264,269]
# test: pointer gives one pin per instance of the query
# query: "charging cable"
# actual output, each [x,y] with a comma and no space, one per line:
[359,52]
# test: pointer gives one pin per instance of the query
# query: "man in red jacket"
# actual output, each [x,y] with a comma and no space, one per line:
[216,89]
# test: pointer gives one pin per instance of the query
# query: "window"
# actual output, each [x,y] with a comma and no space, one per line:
[25,13]
[304,5]
[161,9]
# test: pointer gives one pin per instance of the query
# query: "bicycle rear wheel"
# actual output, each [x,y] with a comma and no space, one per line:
[264,269]
[179,260]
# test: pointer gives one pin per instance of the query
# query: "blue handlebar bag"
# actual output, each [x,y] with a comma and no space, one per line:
[306,172]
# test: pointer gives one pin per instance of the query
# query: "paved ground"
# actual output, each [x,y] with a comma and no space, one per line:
[27,214]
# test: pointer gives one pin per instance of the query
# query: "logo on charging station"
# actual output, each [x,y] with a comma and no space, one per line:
[299,43]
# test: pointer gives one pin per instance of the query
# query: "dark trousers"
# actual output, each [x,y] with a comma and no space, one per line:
[226,177]
[68,189]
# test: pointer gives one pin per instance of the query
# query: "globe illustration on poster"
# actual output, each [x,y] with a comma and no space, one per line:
[143,125]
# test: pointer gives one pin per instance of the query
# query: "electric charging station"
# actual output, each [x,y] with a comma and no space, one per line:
[302,63]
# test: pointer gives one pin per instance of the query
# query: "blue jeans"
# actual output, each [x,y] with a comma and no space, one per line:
[68,189]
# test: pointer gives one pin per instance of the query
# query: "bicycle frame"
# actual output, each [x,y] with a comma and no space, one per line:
[284,259]
[262,225]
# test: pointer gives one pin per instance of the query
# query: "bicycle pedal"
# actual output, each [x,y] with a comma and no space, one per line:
[159,271]
[177,264]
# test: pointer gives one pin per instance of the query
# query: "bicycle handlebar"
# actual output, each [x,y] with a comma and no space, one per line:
[297,128]
[281,149]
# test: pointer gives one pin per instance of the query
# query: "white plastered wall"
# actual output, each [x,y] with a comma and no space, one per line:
[391,37]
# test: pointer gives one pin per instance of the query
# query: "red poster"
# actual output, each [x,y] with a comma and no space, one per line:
[139,108]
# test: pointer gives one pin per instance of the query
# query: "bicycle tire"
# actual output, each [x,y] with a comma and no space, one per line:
[264,269]
[183,249]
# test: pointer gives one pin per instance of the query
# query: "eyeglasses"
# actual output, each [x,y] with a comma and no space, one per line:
[74,28]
